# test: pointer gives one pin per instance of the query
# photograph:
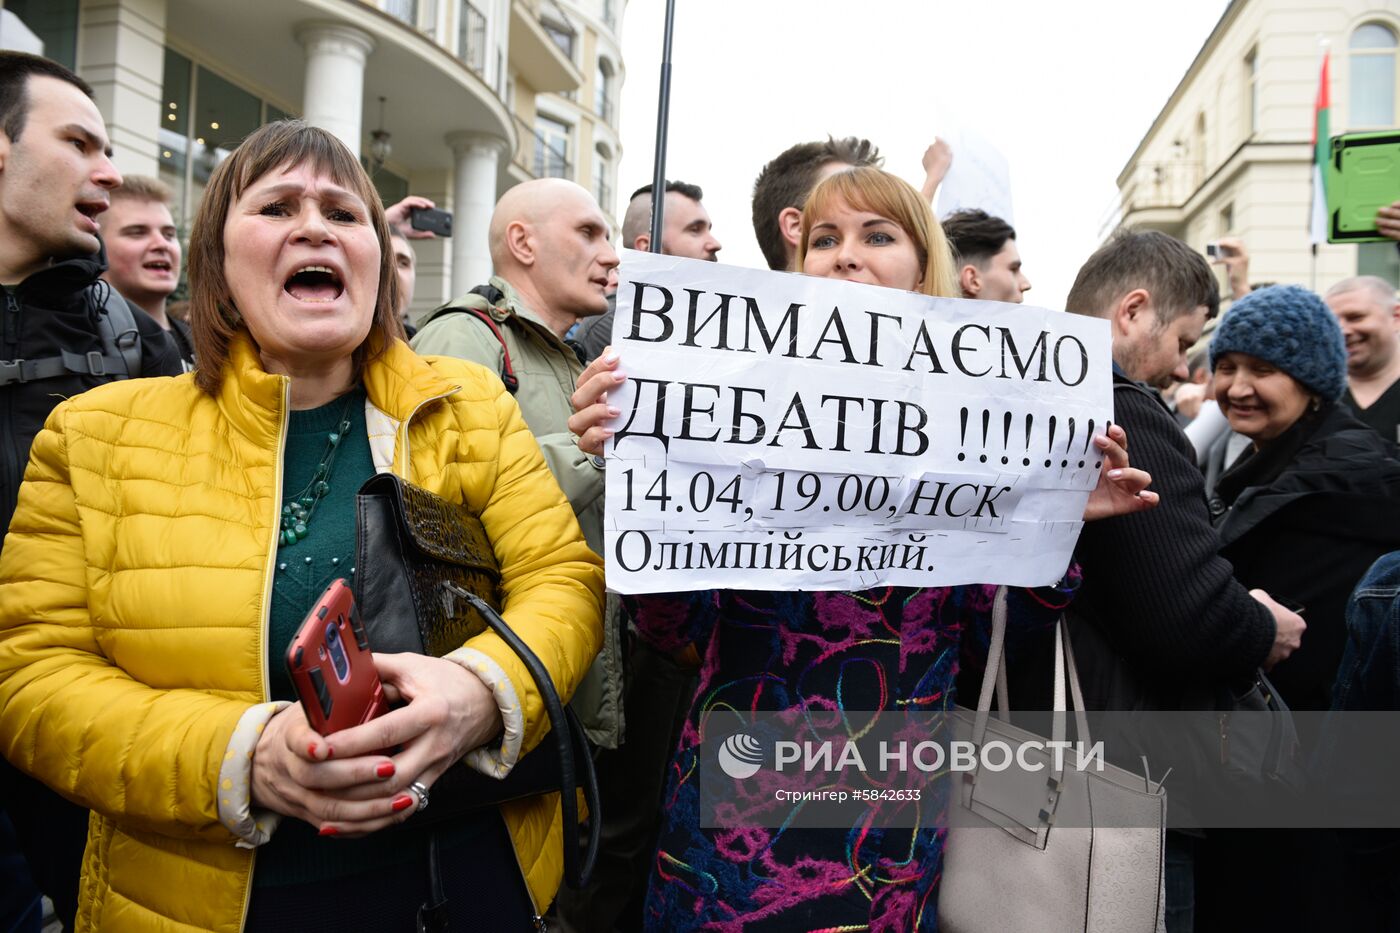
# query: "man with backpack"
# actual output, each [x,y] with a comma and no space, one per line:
[550,250]
[62,331]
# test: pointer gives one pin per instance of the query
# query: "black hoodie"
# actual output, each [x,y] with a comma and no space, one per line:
[52,310]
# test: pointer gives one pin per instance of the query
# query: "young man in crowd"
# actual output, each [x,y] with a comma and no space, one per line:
[1160,616]
[984,247]
[1366,308]
[686,230]
[782,188]
[406,268]
[143,253]
[56,178]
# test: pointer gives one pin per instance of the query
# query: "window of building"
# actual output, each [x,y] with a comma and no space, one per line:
[55,22]
[1381,259]
[602,190]
[471,41]
[392,188]
[1372,57]
[603,89]
[404,10]
[562,34]
[1251,65]
[1198,146]
[552,147]
[203,118]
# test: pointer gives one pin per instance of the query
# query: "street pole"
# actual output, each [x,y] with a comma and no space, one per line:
[663,114]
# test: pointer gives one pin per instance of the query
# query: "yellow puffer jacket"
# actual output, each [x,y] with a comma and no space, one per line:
[134,598]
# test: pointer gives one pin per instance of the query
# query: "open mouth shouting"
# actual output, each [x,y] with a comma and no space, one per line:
[88,211]
[314,284]
[161,268]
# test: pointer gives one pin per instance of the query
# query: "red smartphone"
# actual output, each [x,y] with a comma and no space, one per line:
[331,665]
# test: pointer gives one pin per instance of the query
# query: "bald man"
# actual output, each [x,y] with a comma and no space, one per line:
[1369,313]
[549,245]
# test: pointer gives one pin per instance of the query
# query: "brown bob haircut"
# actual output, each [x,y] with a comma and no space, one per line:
[879,192]
[214,320]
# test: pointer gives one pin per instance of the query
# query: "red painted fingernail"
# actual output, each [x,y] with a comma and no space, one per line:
[402,802]
[311,750]
[385,770]
[329,831]
[330,751]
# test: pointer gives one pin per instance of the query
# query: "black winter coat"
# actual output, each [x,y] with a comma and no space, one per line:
[1307,534]
[52,310]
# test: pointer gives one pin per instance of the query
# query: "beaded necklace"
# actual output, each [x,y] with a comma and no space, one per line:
[298,508]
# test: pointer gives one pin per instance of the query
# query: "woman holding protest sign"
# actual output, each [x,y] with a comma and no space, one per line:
[890,649]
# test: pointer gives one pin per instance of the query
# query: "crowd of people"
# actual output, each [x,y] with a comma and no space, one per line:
[178,488]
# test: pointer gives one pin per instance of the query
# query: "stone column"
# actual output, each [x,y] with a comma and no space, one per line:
[122,55]
[335,78]
[475,160]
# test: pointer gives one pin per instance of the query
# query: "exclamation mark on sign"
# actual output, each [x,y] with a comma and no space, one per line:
[1088,436]
[986,423]
[1005,435]
[1030,420]
[1068,444]
[962,441]
[1050,440]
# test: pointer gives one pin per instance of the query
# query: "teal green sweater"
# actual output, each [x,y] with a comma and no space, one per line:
[297,854]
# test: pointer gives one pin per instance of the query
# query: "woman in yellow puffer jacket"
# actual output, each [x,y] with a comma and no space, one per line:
[171,534]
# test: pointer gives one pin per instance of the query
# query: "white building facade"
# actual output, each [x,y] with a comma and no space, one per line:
[430,94]
[1230,153]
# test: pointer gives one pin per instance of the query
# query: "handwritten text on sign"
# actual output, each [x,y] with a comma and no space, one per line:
[784,432]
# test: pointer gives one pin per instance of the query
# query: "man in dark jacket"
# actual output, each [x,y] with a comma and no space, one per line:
[55,175]
[1160,615]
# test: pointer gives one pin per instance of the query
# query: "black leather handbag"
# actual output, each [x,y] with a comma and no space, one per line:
[426,580]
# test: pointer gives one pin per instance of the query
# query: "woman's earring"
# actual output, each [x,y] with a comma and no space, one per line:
[1316,403]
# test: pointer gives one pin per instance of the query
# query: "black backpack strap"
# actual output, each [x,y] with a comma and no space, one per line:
[116,323]
[120,357]
[495,296]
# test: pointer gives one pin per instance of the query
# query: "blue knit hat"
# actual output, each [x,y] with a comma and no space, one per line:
[1291,328]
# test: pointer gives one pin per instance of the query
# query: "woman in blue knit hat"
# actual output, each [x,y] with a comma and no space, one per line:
[1315,499]
[1302,513]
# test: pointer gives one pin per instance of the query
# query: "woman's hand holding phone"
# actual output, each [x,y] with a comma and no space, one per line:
[341,783]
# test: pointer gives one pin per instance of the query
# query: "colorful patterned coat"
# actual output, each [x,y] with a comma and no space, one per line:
[888,649]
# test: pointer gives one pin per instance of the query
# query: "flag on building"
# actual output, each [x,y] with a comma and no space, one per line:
[1321,141]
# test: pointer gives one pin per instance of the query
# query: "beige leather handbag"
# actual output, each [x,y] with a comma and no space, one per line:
[1008,867]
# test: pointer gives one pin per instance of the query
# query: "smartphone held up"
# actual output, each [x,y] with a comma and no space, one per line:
[431,219]
[331,665]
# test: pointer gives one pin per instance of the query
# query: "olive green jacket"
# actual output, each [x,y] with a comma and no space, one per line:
[547,369]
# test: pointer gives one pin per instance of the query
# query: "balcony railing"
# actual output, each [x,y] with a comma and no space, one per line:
[1161,184]
[538,155]
[471,39]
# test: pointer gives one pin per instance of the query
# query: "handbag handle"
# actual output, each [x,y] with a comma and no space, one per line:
[994,677]
[561,723]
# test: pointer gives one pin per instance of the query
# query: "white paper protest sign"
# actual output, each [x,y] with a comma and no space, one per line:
[979,177]
[784,432]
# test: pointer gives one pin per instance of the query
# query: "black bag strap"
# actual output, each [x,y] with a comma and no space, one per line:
[495,297]
[568,733]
